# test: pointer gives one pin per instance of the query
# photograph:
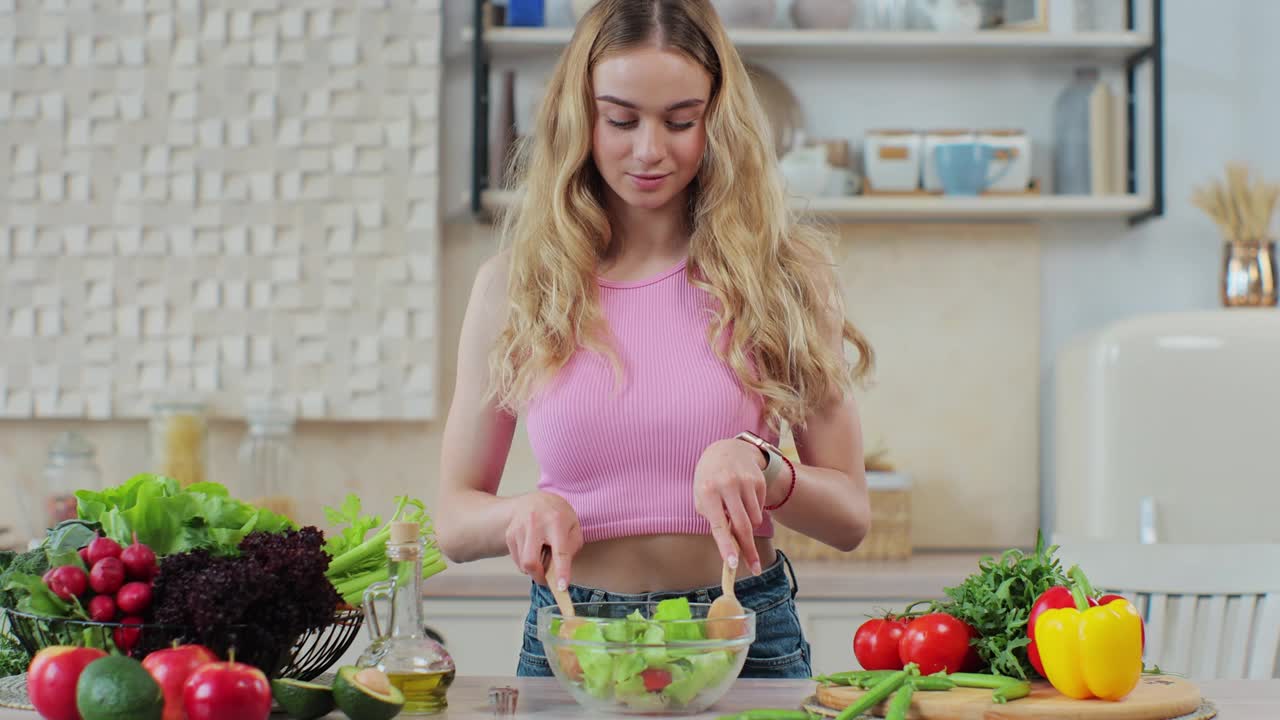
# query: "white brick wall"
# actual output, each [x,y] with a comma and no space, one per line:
[217,196]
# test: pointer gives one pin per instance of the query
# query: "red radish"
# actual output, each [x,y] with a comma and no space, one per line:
[84,556]
[107,576]
[139,561]
[101,548]
[102,608]
[127,637]
[134,598]
[67,581]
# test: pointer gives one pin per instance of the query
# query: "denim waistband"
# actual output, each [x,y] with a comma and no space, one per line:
[758,592]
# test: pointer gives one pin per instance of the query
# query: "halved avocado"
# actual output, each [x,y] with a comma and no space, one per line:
[355,696]
[303,700]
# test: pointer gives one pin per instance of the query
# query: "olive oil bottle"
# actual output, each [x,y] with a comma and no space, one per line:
[414,662]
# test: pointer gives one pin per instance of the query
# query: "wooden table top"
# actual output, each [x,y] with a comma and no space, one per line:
[544,698]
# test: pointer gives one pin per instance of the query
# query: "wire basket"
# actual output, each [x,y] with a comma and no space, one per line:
[305,658]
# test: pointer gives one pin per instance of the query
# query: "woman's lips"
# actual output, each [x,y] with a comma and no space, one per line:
[648,181]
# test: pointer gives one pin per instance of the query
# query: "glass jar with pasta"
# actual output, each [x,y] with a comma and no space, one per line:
[180,440]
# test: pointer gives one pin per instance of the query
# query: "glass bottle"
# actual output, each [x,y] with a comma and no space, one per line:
[1072,152]
[266,457]
[179,440]
[417,665]
[70,467]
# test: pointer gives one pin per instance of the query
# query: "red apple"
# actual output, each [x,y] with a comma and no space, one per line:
[52,676]
[218,691]
[171,667]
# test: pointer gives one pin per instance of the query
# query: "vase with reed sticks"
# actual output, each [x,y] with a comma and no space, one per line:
[1242,209]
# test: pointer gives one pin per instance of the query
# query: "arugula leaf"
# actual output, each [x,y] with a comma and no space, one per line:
[996,601]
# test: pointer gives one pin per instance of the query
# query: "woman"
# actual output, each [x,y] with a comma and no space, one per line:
[656,318]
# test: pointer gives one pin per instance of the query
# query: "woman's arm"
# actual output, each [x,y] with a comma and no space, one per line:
[830,501]
[471,520]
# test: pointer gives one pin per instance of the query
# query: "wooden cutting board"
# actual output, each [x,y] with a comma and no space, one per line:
[1157,697]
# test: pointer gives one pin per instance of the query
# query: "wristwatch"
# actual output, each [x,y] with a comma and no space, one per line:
[775,463]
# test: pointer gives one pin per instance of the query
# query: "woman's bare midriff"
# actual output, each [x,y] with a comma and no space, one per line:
[651,563]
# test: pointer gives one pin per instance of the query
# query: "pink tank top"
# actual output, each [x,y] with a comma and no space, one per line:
[623,454]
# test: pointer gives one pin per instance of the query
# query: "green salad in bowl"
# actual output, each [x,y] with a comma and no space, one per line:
[642,658]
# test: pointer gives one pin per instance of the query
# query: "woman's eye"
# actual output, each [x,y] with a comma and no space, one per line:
[679,125]
[622,123]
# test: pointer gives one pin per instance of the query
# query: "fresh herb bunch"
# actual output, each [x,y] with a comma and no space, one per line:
[996,601]
[13,658]
[272,592]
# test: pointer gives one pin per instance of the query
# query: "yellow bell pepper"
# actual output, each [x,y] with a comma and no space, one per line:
[1091,651]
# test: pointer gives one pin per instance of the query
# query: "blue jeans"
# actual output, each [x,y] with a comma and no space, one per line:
[779,650]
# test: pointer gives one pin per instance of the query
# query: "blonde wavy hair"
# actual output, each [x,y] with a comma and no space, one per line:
[771,277]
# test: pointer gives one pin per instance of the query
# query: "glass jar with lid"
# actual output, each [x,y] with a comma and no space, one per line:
[266,456]
[71,466]
[180,440]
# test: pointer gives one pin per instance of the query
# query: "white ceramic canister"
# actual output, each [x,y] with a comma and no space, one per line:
[1013,147]
[891,160]
[934,139]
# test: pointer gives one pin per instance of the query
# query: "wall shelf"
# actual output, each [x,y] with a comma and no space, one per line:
[869,208]
[1129,49]
[511,42]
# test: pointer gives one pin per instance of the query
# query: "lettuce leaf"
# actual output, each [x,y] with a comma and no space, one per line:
[670,613]
[171,519]
[597,663]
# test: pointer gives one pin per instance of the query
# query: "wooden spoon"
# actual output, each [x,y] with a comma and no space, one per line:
[726,606]
[569,620]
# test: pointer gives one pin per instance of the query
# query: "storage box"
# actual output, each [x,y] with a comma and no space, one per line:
[890,535]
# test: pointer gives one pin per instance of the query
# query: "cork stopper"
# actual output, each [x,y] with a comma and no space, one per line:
[404,532]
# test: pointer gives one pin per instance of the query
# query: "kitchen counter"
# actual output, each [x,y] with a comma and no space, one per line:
[922,576]
[544,698]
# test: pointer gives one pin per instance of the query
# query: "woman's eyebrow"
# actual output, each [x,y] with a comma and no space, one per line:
[691,102]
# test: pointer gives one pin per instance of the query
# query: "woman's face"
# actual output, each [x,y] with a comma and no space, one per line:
[649,136]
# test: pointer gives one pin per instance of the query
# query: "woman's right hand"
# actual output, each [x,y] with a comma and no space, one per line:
[541,519]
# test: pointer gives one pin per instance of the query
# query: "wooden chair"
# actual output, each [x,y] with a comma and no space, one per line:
[1211,611]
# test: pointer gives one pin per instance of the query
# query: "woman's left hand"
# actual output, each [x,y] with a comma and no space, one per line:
[729,491]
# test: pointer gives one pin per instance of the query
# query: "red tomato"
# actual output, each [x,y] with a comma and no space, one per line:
[935,642]
[875,643]
[655,679]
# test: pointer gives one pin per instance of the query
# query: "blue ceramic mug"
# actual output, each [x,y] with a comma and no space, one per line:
[963,167]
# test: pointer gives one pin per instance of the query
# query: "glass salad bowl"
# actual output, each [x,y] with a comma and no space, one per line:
[646,657]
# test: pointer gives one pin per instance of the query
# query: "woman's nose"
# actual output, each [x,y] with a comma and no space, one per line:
[650,146]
